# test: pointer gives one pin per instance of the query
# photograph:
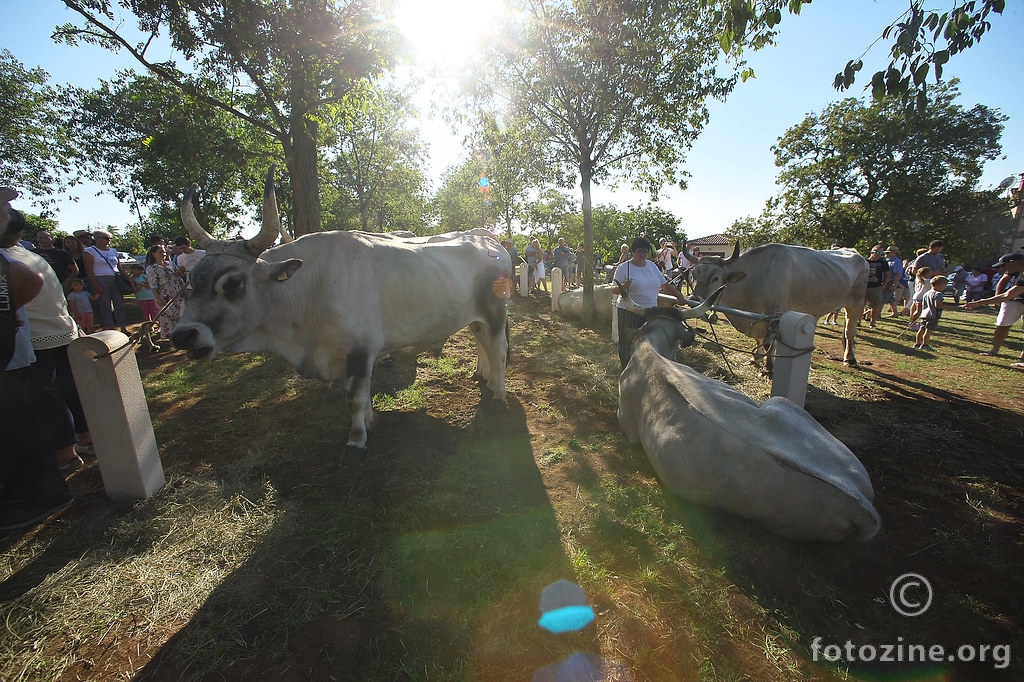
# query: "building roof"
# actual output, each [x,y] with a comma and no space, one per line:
[710,240]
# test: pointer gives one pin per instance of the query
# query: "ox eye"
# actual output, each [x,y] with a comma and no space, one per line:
[233,287]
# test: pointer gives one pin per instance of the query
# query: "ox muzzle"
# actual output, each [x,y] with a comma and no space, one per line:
[191,339]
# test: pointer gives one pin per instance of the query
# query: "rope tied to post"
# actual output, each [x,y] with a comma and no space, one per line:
[142,336]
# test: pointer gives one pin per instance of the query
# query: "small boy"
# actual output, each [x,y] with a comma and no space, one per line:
[143,293]
[931,310]
[80,307]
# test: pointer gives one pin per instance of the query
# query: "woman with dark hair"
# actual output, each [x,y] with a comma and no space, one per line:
[643,281]
[166,286]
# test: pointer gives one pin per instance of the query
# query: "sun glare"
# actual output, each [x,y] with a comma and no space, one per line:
[445,32]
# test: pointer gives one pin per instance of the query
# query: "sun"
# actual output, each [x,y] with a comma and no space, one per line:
[446,32]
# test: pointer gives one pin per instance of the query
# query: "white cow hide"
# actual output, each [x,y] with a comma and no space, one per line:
[773,463]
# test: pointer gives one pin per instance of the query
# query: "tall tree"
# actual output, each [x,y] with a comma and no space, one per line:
[511,158]
[148,142]
[461,203]
[286,59]
[922,40]
[376,155]
[550,217]
[901,168]
[33,144]
[610,87]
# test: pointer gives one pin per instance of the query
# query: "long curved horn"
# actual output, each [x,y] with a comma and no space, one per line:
[705,305]
[735,254]
[188,219]
[686,252]
[285,237]
[271,219]
[631,305]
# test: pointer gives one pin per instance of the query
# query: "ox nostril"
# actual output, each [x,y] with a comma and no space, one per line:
[184,339]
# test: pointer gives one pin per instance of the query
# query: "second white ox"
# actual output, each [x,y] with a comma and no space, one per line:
[570,303]
[773,463]
[776,278]
[332,302]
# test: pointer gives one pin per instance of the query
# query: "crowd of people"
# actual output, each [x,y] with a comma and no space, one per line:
[916,287]
[50,295]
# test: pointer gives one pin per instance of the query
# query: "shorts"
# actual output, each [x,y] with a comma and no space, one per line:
[1009,313]
[929,323]
[888,296]
[875,296]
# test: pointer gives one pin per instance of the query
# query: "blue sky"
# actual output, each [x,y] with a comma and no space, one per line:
[731,165]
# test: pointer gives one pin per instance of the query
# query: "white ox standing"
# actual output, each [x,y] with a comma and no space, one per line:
[332,302]
[773,463]
[777,278]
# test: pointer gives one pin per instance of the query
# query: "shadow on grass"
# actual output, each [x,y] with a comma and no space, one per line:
[954,515]
[422,558]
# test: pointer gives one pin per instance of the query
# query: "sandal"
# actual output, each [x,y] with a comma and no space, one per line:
[989,354]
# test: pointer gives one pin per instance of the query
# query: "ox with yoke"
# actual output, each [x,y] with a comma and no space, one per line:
[332,302]
[777,278]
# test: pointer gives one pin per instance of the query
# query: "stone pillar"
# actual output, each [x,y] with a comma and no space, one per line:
[793,357]
[556,288]
[107,375]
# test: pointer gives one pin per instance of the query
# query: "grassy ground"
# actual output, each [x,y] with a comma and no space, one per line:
[270,556]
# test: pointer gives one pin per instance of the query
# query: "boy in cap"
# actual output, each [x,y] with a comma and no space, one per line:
[1011,302]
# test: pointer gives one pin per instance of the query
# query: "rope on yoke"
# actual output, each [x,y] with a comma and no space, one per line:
[145,329]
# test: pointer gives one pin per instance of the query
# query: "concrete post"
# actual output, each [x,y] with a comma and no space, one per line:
[107,375]
[524,280]
[615,321]
[793,357]
[556,288]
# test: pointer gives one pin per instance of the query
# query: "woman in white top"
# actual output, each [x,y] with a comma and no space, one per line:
[100,266]
[643,281]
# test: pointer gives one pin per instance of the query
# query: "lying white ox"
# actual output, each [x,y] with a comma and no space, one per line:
[570,303]
[332,302]
[773,463]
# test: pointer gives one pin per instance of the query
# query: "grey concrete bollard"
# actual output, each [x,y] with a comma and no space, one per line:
[524,280]
[793,359]
[110,385]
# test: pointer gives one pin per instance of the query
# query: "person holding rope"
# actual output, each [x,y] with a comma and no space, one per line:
[643,281]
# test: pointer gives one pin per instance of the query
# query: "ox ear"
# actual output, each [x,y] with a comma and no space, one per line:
[735,277]
[280,271]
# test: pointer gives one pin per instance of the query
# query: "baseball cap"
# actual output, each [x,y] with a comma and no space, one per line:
[82,233]
[1007,258]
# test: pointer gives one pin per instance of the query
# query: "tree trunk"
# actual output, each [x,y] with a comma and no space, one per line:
[588,246]
[303,165]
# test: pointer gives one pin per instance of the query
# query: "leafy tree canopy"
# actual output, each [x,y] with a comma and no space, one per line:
[33,143]
[922,40]
[275,64]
